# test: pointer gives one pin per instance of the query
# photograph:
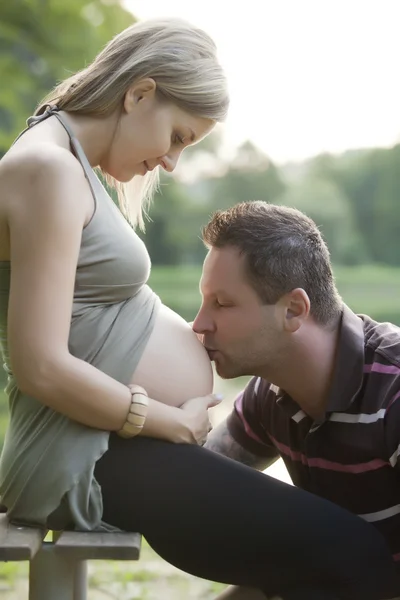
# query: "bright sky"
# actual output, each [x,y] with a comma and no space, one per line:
[305,76]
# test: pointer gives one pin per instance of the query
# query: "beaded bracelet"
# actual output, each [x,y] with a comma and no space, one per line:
[136,415]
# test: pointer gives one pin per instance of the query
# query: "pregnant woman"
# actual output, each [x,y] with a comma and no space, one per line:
[108,389]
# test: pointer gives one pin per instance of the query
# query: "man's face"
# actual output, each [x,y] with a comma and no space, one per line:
[242,336]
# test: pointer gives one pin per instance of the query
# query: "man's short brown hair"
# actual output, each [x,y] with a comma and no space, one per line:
[283,250]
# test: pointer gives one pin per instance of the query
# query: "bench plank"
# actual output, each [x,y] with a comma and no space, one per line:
[100,546]
[18,543]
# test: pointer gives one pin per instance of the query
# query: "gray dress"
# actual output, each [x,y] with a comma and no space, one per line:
[47,463]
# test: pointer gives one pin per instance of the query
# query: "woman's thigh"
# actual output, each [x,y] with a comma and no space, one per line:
[174,366]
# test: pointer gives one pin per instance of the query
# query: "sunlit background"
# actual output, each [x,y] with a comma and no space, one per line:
[305,77]
[314,123]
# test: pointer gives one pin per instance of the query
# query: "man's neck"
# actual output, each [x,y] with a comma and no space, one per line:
[306,371]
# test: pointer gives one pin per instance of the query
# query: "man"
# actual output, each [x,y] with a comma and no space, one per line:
[325,395]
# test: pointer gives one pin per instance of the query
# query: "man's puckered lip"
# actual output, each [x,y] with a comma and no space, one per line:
[211,353]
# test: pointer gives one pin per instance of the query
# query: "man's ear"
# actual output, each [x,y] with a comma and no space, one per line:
[145,89]
[297,309]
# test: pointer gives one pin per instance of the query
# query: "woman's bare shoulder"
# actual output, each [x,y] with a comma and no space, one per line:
[37,160]
[41,172]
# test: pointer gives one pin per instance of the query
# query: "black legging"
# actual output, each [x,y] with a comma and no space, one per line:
[223,521]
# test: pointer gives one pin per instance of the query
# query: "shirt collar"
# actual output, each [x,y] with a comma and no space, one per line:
[349,366]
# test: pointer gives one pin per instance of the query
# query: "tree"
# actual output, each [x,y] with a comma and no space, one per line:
[327,205]
[251,176]
[44,41]
[371,180]
[172,236]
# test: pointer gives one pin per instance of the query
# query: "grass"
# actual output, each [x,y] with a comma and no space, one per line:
[149,579]
[3,416]
[369,289]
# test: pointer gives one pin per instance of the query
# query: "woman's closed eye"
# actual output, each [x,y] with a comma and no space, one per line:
[222,304]
[179,139]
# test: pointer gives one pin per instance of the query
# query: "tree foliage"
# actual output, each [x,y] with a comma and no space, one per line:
[43,42]
[352,197]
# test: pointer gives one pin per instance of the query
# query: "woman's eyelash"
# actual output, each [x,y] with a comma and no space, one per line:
[180,139]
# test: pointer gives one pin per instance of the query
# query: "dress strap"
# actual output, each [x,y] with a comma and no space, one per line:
[50,111]
[31,121]
[74,142]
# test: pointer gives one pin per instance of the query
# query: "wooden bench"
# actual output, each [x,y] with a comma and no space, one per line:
[58,567]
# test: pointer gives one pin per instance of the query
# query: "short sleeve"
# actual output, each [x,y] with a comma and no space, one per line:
[392,430]
[245,421]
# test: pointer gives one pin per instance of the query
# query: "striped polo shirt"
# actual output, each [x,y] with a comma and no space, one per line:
[351,456]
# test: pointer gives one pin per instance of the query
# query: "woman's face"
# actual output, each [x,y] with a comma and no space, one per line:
[151,133]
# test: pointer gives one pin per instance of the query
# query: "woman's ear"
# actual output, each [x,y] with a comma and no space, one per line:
[145,89]
[297,309]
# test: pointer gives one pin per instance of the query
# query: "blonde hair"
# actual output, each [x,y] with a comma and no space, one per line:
[180,58]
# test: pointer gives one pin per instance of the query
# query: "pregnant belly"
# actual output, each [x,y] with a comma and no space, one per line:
[174,365]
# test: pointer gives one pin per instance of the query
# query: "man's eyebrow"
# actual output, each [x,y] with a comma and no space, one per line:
[217,292]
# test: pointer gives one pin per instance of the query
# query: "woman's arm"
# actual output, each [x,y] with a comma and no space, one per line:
[48,203]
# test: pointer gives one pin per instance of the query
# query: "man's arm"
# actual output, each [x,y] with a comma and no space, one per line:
[222,442]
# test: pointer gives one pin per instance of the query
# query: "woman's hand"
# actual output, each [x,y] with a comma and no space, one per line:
[188,424]
[196,418]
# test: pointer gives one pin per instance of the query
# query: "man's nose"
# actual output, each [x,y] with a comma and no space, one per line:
[203,322]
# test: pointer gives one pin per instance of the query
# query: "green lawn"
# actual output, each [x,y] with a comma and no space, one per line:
[370,289]
[373,290]
[149,579]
